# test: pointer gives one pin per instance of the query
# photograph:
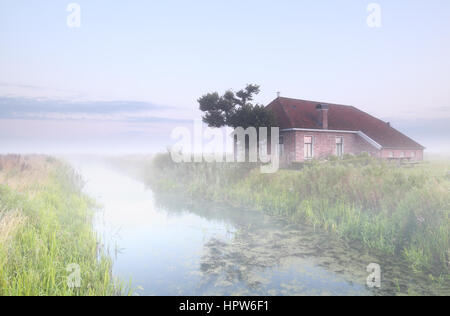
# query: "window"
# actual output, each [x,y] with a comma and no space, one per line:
[339,146]
[308,150]
[413,154]
[402,154]
[391,154]
[281,147]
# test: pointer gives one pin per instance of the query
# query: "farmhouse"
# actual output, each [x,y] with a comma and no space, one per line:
[310,130]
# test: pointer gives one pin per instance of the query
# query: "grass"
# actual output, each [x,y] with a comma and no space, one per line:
[45,226]
[399,211]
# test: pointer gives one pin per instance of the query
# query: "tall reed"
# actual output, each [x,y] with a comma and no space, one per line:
[46,228]
[400,211]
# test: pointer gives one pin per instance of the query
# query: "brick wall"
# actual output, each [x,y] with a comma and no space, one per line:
[324,145]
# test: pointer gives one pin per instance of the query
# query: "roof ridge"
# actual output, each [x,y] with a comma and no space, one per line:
[298,113]
[312,101]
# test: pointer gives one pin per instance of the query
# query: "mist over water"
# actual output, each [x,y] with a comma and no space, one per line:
[173,250]
[169,245]
[114,89]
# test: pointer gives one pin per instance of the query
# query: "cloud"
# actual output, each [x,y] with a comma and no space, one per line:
[60,126]
[19,85]
[48,109]
[445,109]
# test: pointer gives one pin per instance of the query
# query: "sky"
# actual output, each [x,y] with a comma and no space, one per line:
[133,70]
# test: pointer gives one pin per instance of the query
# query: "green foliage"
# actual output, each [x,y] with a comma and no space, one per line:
[400,211]
[56,231]
[235,109]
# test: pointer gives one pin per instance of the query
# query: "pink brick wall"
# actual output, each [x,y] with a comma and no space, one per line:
[324,145]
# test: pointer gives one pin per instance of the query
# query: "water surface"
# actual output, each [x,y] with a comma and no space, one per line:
[168,245]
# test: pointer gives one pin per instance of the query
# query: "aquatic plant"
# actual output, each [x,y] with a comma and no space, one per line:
[400,211]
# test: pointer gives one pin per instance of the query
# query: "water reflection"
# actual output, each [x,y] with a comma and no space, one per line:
[266,256]
[172,245]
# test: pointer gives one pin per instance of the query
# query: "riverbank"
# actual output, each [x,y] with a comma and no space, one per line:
[398,211]
[46,233]
[172,245]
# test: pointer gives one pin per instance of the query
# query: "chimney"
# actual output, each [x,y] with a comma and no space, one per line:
[278,94]
[323,108]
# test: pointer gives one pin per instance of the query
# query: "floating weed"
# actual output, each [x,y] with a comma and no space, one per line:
[400,211]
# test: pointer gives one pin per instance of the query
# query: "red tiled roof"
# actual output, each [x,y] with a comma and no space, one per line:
[293,113]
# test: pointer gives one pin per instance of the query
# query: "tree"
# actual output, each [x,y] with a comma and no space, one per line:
[236,109]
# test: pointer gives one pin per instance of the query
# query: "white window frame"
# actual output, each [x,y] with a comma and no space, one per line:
[281,146]
[312,147]
[342,146]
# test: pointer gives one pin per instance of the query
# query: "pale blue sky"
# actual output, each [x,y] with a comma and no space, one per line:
[165,54]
